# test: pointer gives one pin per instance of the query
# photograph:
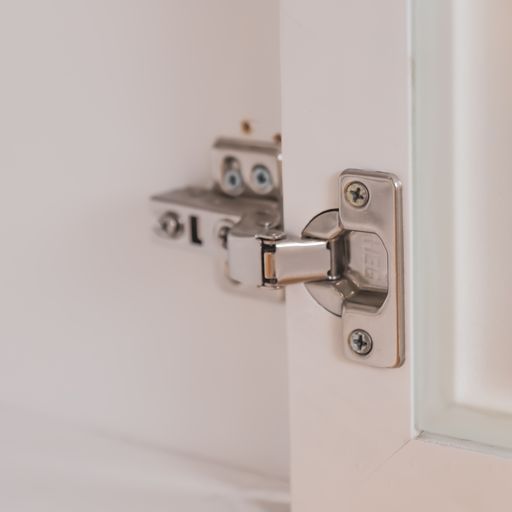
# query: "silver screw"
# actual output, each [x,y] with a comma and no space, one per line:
[170,224]
[360,342]
[232,182]
[357,194]
[261,179]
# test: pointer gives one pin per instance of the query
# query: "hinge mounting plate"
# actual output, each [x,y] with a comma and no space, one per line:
[367,244]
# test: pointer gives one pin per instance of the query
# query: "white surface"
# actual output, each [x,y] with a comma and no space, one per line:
[346,73]
[47,465]
[102,104]
[345,96]
[426,476]
[462,163]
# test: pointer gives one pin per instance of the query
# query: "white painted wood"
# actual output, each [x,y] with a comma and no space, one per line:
[102,104]
[50,465]
[425,476]
[346,71]
[345,104]
[463,141]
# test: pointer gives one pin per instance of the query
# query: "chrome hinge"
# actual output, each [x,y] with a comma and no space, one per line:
[349,258]
[270,259]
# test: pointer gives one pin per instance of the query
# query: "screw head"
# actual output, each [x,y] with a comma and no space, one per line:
[261,179]
[360,342]
[357,194]
[232,182]
[170,224]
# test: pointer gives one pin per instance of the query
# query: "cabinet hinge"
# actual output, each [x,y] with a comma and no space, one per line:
[349,257]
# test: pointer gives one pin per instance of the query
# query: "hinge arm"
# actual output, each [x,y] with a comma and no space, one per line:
[295,261]
[271,259]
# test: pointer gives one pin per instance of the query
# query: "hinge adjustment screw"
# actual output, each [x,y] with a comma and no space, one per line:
[170,224]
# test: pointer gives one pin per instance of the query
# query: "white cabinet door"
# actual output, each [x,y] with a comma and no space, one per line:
[423,91]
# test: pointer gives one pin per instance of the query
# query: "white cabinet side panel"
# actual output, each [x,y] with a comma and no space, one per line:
[103,103]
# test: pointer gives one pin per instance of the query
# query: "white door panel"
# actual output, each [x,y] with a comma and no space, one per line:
[424,476]
[344,105]
[463,125]
[351,86]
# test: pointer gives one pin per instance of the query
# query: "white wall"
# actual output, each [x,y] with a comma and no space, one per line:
[102,103]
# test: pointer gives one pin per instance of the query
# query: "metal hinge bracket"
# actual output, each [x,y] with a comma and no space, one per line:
[349,258]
